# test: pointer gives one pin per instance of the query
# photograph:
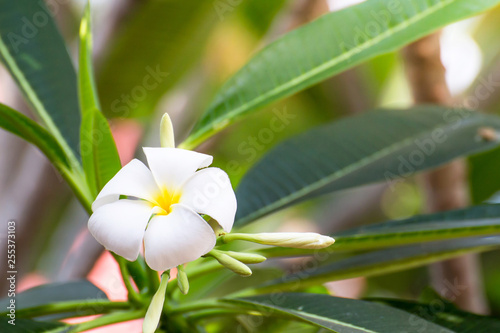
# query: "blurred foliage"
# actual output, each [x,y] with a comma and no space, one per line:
[137,71]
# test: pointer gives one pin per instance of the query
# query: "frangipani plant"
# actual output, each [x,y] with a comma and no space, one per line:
[163,214]
[177,228]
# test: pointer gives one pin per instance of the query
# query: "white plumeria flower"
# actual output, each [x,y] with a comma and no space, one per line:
[166,221]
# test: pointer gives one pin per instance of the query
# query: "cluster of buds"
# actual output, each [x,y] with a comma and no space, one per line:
[237,261]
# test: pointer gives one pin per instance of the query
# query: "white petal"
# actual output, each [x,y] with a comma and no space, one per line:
[171,167]
[120,226]
[177,238]
[134,179]
[209,191]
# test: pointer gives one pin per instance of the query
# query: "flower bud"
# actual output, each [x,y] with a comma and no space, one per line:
[300,240]
[167,139]
[155,308]
[231,263]
[182,280]
[246,258]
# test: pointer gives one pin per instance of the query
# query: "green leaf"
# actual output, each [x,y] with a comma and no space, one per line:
[98,149]
[334,313]
[389,145]
[57,292]
[22,126]
[158,44]
[326,47]
[473,221]
[34,52]
[381,262]
[138,271]
[444,313]
[99,155]
[484,177]
[86,89]
[28,326]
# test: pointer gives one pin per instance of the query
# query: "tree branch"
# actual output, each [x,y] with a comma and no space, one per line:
[458,279]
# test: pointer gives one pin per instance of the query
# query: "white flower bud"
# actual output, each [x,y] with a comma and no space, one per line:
[167,139]
[300,240]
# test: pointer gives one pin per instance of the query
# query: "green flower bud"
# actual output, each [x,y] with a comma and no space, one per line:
[246,258]
[231,263]
[155,308]
[182,280]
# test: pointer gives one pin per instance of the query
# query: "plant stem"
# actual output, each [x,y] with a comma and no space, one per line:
[199,305]
[113,318]
[85,307]
[235,236]
[133,295]
[154,280]
[209,308]
[209,313]
[76,181]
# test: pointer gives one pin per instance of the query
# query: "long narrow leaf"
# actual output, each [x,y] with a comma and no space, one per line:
[445,314]
[473,221]
[335,314]
[382,262]
[30,326]
[47,294]
[389,145]
[34,52]
[86,89]
[332,44]
[22,126]
[99,154]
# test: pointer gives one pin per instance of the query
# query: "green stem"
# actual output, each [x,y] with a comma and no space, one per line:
[133,295]
[210,313]
[137,270]
[208,308]
[236,236]
[76,181]
[117,317]
[194,141]
[154,280]
[85,307]
[199,305]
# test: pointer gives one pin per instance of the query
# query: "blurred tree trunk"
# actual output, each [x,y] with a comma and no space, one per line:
[458,279]
[344,91]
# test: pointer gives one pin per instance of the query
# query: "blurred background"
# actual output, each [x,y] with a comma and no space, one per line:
[156,56]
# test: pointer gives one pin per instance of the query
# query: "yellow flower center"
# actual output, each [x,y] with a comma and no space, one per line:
[166,199]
